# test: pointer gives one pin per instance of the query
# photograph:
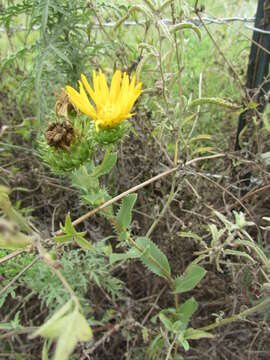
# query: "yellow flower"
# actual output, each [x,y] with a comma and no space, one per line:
[113,105]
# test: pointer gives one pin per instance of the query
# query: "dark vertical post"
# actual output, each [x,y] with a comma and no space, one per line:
[258,84]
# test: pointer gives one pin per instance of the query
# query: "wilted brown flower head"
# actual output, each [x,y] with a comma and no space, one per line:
[60,135]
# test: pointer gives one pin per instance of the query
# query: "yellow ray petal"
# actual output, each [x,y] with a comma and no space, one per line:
[88,108]
[103,87]
[88,88]
[115,86]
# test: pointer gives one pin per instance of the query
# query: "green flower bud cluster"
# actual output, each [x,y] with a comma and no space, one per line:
[68,144]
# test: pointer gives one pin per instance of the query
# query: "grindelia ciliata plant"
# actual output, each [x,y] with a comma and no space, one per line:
[107,107]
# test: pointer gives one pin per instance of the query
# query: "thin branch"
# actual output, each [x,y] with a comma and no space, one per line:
[235,74]
[108,334]
[11,255]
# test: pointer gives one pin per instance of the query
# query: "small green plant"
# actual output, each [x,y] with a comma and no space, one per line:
[79,280]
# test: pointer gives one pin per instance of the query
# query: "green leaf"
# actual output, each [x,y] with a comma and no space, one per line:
[215,101]
[191,277]
[193,334]
[13,214]
[200,138]
[131,254]
[202,150]
[239,254]
[186,26]
[15,241]
[181,339]
[261,255]
[44,18]
[68,327]
[61,55]
[187,309]
[189,234]
[63,238]
[118,257]
[84,244]
[75,328]
[69,228]
[107,164]
[152,257]
[45,329]
[124,215]
[178,326]
[45,355]
[71,233]
[166,321]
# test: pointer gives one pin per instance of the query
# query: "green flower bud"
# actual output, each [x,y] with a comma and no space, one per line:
[65,145]
[108,136]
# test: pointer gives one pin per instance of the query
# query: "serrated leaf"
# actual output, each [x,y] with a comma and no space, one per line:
[187,309]
[96,198]
[107,164]
[215,101]
[193,334]
[191,277]
[153,257]
[124,215]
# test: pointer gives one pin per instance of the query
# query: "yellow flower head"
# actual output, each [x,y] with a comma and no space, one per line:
[113,105]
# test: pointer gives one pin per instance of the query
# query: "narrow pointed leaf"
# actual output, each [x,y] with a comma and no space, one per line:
[215,101]
[193,334]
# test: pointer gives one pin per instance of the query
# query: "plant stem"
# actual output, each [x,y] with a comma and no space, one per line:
[237,317]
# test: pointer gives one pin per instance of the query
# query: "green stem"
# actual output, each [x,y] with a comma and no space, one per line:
[67,286]
[240,316]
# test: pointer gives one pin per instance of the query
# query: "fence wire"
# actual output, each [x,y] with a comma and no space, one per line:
[207,20]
